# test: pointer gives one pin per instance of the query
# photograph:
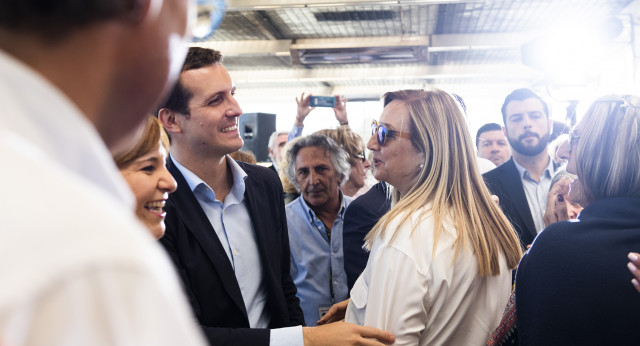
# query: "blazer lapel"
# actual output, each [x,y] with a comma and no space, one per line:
[513,183]
[196,222]
[266,239]
[263,239]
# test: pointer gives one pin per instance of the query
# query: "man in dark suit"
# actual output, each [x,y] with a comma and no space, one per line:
[522,183]
[363,213]
[226,226]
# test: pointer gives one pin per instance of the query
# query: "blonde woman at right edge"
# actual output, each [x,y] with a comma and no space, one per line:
[439,272]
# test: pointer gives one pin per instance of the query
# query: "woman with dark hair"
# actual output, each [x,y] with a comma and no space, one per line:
[572,287]
[143,167]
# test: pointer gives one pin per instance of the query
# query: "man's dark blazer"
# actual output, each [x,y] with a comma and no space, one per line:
[359,218]
[206,271]
[505,182]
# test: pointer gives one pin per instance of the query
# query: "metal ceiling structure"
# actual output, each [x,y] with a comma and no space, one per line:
[363,48]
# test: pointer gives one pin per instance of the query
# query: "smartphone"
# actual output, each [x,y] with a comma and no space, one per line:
[322,101]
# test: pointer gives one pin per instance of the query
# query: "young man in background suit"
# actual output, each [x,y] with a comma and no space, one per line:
[522,183]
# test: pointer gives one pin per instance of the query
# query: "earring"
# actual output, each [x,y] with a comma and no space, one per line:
[421,166]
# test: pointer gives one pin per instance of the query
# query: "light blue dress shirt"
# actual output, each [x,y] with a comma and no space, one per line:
[537,192]
[232,224]
[296,131]
[317,262]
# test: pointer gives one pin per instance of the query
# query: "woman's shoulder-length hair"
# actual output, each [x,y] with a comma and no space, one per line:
[450,182]
[608,150]
[151,135]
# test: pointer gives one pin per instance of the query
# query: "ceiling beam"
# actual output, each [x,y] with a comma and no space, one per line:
[360,42]
[249,47]
[247,5]
[390,73]
[449,42]
[446,42]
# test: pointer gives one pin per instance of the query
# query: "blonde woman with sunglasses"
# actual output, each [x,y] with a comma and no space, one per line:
[439,271]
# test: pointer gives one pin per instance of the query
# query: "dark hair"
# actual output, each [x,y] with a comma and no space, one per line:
[521,95]
[197,57]
[55,19]
[486,128]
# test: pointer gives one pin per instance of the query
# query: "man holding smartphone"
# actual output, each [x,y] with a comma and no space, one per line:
[305,107]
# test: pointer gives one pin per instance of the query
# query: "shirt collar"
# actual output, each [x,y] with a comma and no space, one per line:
[312,215]
[239,176]
[548,172]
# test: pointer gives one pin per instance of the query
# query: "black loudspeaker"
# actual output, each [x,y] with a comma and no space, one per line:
[255,130]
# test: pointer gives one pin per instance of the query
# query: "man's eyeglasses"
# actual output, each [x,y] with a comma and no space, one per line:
[382,133]
[360,156]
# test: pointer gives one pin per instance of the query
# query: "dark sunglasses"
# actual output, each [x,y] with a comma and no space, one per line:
[383,134]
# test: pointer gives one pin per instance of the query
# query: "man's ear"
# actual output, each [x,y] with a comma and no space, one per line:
[504,131]
[169,120]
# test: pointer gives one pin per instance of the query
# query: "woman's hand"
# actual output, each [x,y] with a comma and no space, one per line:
[335,314]
[634,263]
[556,209]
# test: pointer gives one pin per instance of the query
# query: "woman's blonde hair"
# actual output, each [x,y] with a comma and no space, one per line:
[608,150]
[151,135]
[350,141]
[287,185]
[450,182]
[245,156]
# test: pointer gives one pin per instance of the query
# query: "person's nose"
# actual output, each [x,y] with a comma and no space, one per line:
[564,150]
[527,122]
[313,178]
[372,144]
[234,109]
[366,164]
[166,183]
[572,213]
